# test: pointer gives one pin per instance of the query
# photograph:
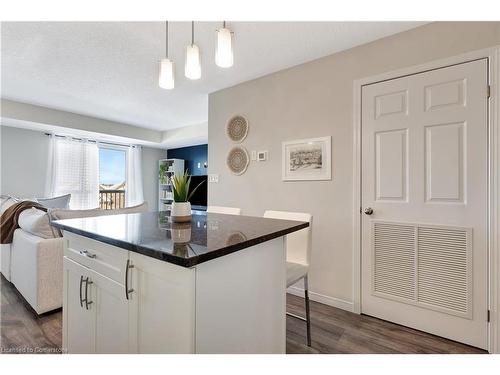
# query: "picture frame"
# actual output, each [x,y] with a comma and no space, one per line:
[307,159]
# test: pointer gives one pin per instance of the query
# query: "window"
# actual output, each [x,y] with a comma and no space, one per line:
[112,177]
[73,169]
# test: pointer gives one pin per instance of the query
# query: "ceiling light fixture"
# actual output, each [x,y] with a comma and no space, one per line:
[224,47]
[166,79]
[192,69]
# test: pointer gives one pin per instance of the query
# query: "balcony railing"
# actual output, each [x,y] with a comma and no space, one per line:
[111,199]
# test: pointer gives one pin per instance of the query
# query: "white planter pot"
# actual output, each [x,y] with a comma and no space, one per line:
[181,212]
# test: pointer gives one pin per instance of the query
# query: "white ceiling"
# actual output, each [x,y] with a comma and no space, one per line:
[110,69]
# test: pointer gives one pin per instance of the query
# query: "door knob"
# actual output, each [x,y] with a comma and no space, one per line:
[368,210]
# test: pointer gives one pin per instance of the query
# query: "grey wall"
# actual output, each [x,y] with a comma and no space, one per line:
[313,100]
[24,157]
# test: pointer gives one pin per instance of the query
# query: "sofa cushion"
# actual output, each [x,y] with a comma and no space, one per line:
[37,222]
[60,214]
[61,201]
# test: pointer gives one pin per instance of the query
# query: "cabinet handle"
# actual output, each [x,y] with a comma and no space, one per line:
[127,290]
[87,303]
[81,299]
[85,253]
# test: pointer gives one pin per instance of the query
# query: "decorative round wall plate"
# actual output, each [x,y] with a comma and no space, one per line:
[237,128]
[237,160]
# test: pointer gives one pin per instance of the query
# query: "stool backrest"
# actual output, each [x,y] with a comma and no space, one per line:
[298,244]
[224,210]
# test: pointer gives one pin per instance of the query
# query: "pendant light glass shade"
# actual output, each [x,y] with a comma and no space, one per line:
[192,69]
[224,48]
[166,80]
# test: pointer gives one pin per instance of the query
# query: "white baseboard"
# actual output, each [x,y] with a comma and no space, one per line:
[321,298]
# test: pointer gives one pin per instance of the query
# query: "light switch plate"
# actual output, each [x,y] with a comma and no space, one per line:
[214,178]
[262,156]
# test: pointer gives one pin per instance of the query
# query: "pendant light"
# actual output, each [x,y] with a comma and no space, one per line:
[166,79]
[192,70]
[224,47]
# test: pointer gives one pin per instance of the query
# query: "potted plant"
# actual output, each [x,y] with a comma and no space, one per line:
[163,174]
[181,208]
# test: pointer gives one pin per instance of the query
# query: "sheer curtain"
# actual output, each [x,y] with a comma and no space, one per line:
[74,169]
[134,194]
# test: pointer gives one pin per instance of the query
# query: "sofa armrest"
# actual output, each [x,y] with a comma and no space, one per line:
[5,251]
[37,270]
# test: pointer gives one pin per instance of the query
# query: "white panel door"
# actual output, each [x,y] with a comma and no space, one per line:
[424,196]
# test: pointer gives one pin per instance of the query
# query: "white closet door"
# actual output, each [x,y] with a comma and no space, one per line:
[424,176]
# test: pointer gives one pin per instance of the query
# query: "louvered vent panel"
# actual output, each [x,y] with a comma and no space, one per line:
[394,260]
[444,271]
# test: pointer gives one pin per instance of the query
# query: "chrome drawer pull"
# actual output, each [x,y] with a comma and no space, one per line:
[87,303]
[127,290]
[81,299]
[85,253]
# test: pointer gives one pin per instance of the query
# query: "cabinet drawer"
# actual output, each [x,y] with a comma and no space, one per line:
[109,261]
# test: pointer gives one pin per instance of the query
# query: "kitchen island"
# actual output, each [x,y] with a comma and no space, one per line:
[138,283]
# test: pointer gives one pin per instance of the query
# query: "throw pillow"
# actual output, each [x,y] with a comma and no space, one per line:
[61,201]
[6,201]
[37,222]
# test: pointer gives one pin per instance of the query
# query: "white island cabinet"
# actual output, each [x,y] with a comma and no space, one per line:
[97,318]
[142,296]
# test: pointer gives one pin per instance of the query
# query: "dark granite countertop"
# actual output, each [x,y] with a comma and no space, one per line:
[207,236]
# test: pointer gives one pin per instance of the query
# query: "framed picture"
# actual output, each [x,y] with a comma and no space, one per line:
[307,159]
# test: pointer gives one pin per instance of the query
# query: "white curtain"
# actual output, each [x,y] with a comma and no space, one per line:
[134,194]
[74,169]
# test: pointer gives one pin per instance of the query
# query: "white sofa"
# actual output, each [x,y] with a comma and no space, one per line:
[36,270]
[5,260]
[35,264]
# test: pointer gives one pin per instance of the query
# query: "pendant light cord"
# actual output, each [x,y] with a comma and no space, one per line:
[192,32]
[166,39]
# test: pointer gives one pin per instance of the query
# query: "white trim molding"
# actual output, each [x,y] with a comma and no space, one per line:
[321,298]
[493,56]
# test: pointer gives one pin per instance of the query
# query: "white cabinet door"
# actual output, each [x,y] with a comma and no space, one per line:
[97,317]
[115,330]
[78,322]
[165,294]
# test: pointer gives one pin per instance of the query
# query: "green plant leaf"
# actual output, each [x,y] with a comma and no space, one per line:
[162,173]
[192,191]
[180,186]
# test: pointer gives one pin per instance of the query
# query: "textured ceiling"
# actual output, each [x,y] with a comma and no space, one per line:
[110,69]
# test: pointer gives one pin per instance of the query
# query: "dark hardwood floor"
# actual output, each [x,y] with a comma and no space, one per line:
[22,330]
[338,331]
[333,331]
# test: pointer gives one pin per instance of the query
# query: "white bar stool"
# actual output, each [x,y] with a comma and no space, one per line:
[224,210]
[298,254]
